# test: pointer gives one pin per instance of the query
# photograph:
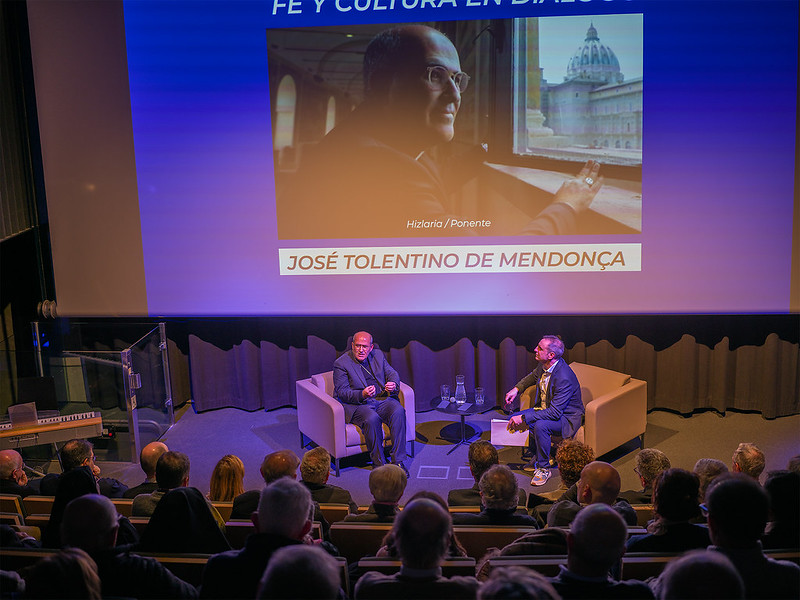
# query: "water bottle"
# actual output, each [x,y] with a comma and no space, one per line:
[461,392]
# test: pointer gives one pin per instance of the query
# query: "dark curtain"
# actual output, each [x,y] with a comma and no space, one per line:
[683,377]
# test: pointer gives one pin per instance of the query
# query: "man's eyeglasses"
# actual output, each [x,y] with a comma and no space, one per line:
[439,75]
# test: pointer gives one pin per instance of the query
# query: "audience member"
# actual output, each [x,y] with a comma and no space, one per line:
[596,543]
[699,574]
[183,522]
[674,504]
[738,508]
[783,529]
[282,463]
[748,459]
[71,573]
[72,484]
[11,536]
[422,533]
[599,484]
[283,518]
[389,548]
[12,585]
[794,464]
[91,524]
[148,458]
[13,479]
[386,484]
[227,479]
[707,470]
[172,471]
[275,465]
[315,468]
[80,453]
[481,456]
[301,571]
[515,583]
[571,456]
[499,497]
[649,463]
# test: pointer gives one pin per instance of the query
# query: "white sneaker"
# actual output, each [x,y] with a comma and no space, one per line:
[540,476]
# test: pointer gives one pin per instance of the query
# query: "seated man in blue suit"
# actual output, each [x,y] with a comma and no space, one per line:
[561,408]
[367,386]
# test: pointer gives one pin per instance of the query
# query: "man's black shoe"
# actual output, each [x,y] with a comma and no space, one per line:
[405,468]
[530,467]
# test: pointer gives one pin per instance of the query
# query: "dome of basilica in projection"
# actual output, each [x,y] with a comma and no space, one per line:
[594,62]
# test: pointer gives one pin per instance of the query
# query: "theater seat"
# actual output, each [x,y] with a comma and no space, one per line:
[320,418]
[616,407]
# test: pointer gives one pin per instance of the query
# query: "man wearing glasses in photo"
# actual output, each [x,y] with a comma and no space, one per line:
[367,386]
[374,168]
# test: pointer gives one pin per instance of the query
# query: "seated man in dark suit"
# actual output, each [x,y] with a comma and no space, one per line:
[13,479]
[422,533]
[386,484]
[315,468]
[367,386]
[560,409]
[283,518]
[148,458]
[599,484]
[499,495]
[595,543]
[649,463]
[481,456]
[80,453]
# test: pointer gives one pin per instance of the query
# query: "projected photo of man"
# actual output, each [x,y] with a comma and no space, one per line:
[385,169]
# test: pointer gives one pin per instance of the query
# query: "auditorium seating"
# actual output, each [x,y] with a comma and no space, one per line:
[12,503]
[461,565]
[333,512]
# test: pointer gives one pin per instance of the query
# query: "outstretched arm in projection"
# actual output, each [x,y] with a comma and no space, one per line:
[573,197]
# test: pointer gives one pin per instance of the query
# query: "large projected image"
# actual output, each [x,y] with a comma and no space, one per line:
[598,157]
[391,137]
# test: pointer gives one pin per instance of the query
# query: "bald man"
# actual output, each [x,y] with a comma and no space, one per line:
[367,386]
[595,543]
[13,479]
[599,484]
[148,458]
[90,523]
[374,169]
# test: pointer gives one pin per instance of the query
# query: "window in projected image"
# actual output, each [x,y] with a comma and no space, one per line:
[578,88]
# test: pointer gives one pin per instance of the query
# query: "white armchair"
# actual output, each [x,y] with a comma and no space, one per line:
[616,407]
[320,417]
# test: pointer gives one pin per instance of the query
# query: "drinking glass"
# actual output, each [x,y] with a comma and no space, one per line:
[480,395]
[445,391]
